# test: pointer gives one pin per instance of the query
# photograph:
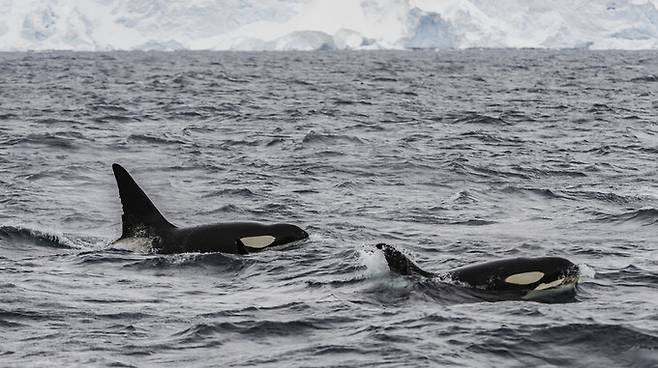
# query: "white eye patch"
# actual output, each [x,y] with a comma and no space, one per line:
[524,278]
[549,285]
[260,241]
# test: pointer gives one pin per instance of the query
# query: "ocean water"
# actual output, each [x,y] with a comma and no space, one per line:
[454,156]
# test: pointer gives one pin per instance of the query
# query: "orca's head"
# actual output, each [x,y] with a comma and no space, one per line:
[543,273]
[557,271]
[287,233]
[277,234]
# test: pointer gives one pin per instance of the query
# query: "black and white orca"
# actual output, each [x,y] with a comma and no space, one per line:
[513,278]
[141,219]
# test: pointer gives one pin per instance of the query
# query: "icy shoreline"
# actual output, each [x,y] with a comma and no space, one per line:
[104,25]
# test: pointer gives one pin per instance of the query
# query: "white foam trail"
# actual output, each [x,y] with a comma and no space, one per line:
[375,263]
[140,245]
[586,271]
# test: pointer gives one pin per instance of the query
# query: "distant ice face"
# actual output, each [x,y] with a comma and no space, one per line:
[39,25]
[325,24]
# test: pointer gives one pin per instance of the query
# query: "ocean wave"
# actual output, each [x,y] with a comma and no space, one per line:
[215,261]
[111,255]
[9,324]
[489,137]
[607,197]
[314,137]
[630,275]
[144,138]
[644,79]
[13,234]
[107,107]
[480,119]
[260,328]
[643,216]
[8,116]
[233,192]
[545,193]
[44,139]
[491,172]
[615,344]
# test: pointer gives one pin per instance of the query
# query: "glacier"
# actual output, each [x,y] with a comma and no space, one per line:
[99,25]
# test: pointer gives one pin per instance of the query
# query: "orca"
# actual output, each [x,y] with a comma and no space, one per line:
[538,278]
[141,219]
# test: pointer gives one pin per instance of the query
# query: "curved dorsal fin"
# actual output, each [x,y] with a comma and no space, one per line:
[140,216]
[399,263]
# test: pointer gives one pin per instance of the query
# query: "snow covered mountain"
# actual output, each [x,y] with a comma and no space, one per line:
[326,24]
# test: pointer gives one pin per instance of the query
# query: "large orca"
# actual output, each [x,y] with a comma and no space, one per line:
[513,278]
[141,219]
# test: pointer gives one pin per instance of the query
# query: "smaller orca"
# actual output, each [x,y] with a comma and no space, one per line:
[141,219]
[513,278]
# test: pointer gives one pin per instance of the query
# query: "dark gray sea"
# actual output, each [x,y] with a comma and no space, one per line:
[456,157]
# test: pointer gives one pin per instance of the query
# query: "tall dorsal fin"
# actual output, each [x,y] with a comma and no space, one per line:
[140,216]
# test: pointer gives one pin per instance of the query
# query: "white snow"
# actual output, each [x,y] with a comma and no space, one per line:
[326,24]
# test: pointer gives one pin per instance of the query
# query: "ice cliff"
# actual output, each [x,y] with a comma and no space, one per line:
[326,24]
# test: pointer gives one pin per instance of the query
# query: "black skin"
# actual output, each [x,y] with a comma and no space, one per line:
[489,275]
[225,237]
[399,263]
[142,219]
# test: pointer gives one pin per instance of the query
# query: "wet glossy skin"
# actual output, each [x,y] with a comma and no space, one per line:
[507,275]
[142,219]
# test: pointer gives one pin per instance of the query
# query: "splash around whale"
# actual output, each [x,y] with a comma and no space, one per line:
[544,279]
[142,220]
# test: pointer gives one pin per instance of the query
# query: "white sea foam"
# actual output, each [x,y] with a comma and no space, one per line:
[586,271]
[141,245]
[374,261]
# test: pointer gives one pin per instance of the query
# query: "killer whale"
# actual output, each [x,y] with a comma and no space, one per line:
[141,219]
[512,278]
